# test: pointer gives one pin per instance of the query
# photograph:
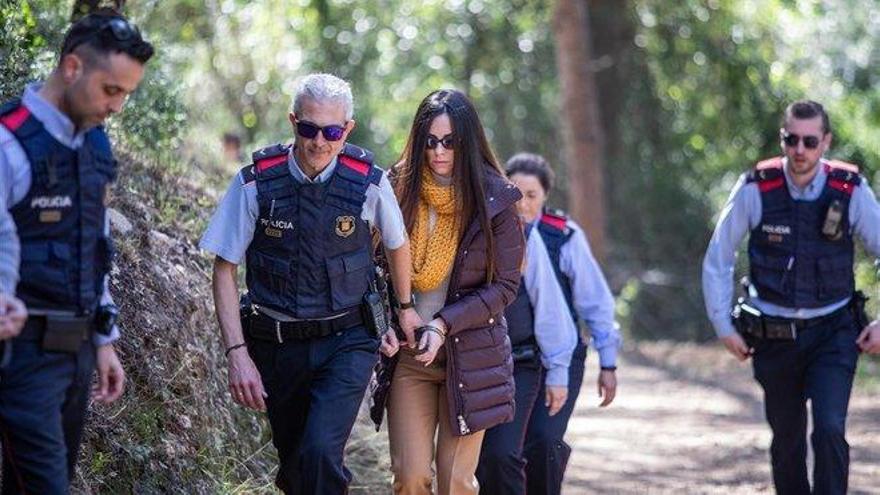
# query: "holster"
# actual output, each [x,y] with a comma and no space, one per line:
[857,305]
[245,311]
[747,321]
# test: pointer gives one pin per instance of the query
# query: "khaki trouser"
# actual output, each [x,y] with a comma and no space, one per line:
[416,407]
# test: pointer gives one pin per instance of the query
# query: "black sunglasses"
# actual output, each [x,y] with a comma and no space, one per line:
[309,130]
[120,29]
[792,140]
[433,141]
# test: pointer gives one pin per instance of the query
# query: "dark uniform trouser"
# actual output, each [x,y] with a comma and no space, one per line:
[43,400]
[818,366]
[546,452]
[502,465]
[315,389]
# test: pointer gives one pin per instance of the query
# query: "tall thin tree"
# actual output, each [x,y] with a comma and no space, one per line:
[582,129]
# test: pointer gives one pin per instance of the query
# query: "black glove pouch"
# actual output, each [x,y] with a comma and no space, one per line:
[66,333]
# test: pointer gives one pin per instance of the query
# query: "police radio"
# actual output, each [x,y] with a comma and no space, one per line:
[374,306]
[833,216]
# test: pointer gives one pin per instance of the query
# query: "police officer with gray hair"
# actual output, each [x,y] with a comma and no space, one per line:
[304,345]
[56,167]
[803,324]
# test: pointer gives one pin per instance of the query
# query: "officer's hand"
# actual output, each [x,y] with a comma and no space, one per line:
[111,376]
[869,339]
[737,346]
[431,342]
[13,314]
[555,398]
[390,344]
[409,322]
[607,386]
[245,384]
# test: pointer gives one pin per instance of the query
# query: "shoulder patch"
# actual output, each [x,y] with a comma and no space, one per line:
[356,152]
[270,156]
[768,174]
[557,222]
[842,176]
[16,118]
[356,158]
[362,168]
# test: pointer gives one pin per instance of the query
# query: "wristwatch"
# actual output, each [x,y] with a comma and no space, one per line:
[609,368]
[406,305]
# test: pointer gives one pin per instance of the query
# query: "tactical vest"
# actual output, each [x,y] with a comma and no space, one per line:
[65,255]
[520,315]
[310,255]
[555,234]
[791,263]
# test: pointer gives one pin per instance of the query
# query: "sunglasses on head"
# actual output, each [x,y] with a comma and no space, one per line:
[433,141]
[792,140]
[309,130]
[120,29]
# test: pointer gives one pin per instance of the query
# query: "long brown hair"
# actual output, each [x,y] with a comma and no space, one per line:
[473,159]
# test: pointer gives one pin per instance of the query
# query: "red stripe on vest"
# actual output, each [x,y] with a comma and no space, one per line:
[555,222]
[356,165]
[769,185]
[16,118]
[268,163]
[841,186]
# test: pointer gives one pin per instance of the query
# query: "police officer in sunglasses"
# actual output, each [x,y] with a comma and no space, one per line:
[803,321]
[300,217]
[56,167]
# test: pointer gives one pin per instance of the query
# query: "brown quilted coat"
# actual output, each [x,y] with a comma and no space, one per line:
[479,367]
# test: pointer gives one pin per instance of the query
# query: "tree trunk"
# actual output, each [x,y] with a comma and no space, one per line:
[582,124]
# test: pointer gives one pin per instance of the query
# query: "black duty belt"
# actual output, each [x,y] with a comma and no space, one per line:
[36,326]
[776,328]
[264,327]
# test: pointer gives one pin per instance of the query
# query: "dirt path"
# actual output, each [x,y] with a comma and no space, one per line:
[689,420]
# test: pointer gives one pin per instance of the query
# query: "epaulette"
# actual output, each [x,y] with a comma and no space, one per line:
[768,174]
[555,218]
[842,176]
[247,174]
[270,156]
[356,158]
[13,115]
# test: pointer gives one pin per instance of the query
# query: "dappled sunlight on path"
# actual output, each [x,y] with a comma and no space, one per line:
[689,419]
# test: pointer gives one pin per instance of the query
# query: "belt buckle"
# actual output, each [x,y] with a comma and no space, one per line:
[278,332]
[792,325]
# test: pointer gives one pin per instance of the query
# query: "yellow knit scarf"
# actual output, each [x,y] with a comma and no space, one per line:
[433,251]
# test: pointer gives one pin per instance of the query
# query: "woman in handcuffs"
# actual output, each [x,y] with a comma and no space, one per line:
[454,379]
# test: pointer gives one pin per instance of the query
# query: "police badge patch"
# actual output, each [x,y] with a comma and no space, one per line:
[344,225]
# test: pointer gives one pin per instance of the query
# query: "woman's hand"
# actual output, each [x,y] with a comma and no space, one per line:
[390,344]
[431,342]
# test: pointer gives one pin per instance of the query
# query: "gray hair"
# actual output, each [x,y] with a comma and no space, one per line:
[324,88]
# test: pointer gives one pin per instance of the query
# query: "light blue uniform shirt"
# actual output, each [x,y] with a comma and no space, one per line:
[741,214]
[554,329]
[15,182]
[592,298]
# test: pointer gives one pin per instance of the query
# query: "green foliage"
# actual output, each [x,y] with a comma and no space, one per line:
[28,31]
[239,63]
[707,83]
